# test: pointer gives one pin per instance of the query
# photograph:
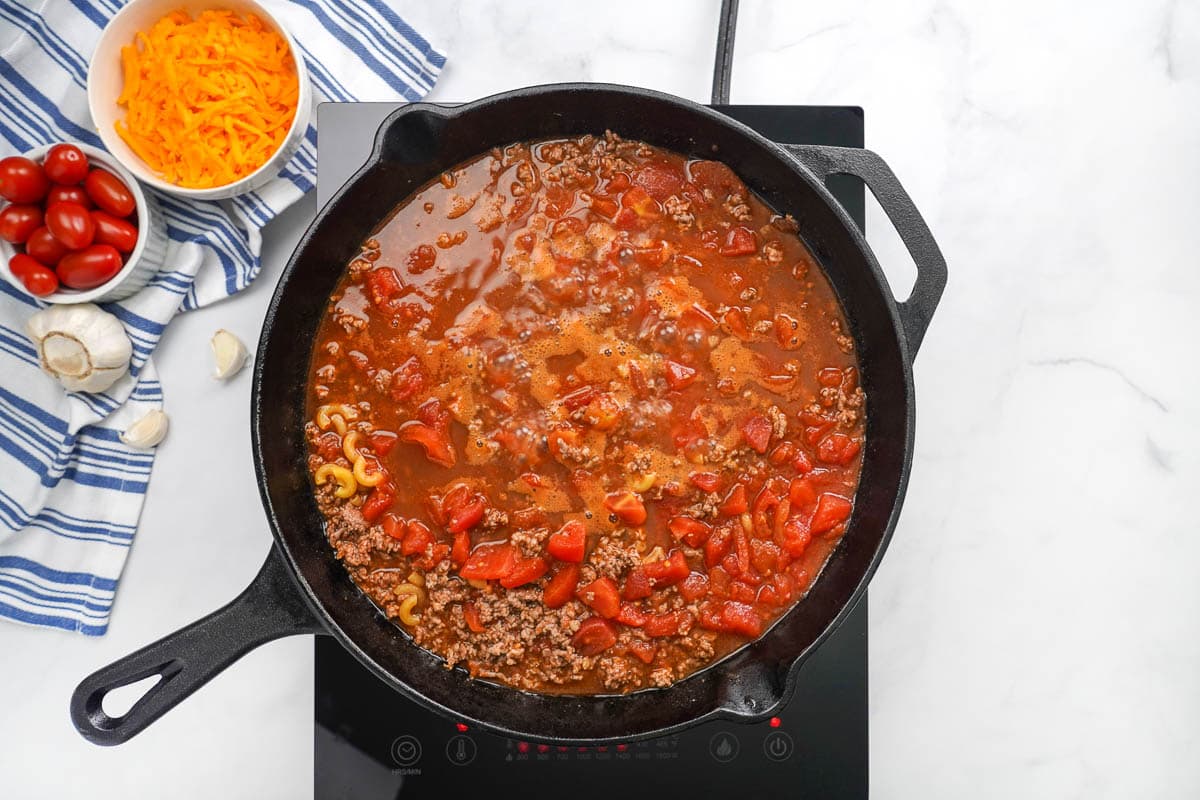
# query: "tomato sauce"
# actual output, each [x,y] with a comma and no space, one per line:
[585,416]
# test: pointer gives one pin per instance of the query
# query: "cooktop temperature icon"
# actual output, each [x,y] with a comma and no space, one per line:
[461,750]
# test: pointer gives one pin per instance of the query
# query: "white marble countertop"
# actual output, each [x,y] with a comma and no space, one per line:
[1034,624]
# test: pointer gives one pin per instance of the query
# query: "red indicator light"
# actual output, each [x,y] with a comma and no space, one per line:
[543,748]
[621,748]
[775,722]
[602,749]
[460,727]
[563,748]
[522,747]
[582,749]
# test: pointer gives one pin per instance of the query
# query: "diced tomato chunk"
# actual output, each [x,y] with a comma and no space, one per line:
[741,618]
[416,538]
[595,635]
[382,442]
[525,570]
[782,453]
[794,537]
[464,510]
[394,526]
[717,546]
[603,596]
[830,377]
[734,502]
[436,553]
[705,481]
[382,498]
[801,493]
[801,463]
[669,571]
[832,510]
[407,380]
[679,376]
[604,206]
[437,446]
[689,530]
[489,562]
[740,241]
[561,586]
[631,615]
[329,446]
[639,201]
[764,556]
[694,586]
[743,592]
[627,506]
[643,651]
[471,616]
[667,624]
[756,430]
[383,283]
[637,584]
[461,549]
[568,542]
[659,180]
[578,398]
[838,448]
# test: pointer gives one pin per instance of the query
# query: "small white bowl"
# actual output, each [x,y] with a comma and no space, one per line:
[147,257]
[105,81]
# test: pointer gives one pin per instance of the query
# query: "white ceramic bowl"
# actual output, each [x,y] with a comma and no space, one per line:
[145,260]
[105,80]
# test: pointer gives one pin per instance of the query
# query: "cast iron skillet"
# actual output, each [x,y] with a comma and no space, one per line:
[302,588]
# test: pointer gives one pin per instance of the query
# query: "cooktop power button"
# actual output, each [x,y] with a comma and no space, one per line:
[724,747]
[778,746]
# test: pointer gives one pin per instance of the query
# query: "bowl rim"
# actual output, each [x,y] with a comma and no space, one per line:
[243,185]
[66,295]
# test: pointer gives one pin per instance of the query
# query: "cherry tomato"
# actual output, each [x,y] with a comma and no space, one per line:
[87,269]
[109,193]
[37,279]
[69,194]
[45,248]
[65,164]
[117,232]
[18,222]
[22,180]
[71,224]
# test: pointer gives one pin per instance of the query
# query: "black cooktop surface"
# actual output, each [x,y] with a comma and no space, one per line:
[371,743]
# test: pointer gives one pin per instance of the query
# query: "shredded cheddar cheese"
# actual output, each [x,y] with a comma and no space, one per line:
[208,100]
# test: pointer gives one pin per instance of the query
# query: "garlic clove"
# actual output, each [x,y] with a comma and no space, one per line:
[229,352]
[147,431]
[83,346]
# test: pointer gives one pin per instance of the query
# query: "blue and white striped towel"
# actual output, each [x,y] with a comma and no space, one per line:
[70,491]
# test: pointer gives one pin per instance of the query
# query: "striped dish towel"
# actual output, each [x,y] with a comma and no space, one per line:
[70,491]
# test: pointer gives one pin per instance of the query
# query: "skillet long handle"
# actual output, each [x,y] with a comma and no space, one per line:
[270,608]
[917,310]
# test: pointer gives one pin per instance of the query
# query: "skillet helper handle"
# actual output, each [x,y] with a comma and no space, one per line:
[917,310]
[270,608]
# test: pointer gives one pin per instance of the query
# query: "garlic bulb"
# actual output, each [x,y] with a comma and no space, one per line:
[84,346]
[229,353]
[147,431]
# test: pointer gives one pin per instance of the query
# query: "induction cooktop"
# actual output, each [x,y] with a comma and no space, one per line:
[372,743]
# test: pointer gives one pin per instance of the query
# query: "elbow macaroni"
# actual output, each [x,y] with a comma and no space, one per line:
[346,483]
[349,480]
[411,594]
